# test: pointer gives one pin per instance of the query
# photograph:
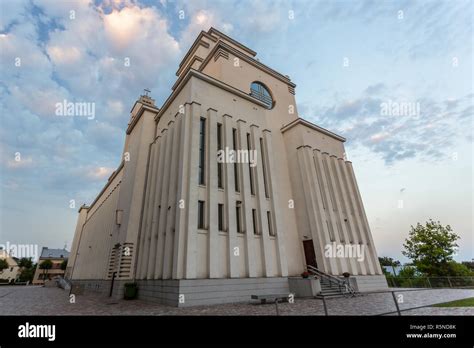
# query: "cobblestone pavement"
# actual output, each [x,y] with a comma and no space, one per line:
[34,300]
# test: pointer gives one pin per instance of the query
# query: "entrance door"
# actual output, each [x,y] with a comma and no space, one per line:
[309,254]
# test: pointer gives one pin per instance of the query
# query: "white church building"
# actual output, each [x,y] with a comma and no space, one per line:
[224,192]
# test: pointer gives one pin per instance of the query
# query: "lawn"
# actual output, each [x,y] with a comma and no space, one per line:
[465,302]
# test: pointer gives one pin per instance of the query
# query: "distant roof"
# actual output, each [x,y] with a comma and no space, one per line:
[54,253]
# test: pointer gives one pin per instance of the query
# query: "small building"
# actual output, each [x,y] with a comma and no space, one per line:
[11,273]
[57,257]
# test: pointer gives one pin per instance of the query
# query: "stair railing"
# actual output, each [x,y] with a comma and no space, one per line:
[343,285]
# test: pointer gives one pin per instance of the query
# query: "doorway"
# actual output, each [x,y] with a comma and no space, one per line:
[309,253]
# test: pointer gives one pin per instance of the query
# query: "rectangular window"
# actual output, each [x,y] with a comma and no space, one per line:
[254,220]
[264,168]
[238,217]
[202,151]
[220,213]
[330,231]
[271,232]
[252,188]
[236,168]
[220,181]
[201,215]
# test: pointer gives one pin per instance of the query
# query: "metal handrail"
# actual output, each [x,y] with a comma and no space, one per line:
[339,282]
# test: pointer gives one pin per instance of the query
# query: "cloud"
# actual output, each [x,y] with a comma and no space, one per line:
[427,135]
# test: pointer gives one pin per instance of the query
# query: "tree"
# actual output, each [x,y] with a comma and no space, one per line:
[431,248]
[64,264]
[3,264]
[389,262]
[27,269]
[25,262]
[45,265]
[27,274]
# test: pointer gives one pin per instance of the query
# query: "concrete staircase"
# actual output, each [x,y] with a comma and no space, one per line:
[330,289]
[331,286]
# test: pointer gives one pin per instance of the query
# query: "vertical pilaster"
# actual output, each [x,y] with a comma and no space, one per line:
[275,202]
[192,189]
[246,210]
[185,126]
[261,199]
[229,201]
[212,193]
[170,232]
[330,213]
[146,207]
[153,233]
[340,169]
[332,163]
[164,211]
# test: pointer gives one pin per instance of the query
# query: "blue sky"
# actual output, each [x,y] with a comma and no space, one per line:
[346,57]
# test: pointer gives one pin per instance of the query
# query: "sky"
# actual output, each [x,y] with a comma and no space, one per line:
[355,64]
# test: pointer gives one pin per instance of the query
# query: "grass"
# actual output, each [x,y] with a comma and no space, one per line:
[465,302]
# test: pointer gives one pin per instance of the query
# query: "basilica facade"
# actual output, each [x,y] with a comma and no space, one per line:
[224,191]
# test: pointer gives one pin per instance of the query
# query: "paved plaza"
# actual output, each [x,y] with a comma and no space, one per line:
[35,300]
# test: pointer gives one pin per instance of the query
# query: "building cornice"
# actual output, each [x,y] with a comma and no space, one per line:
[222,46]
[195,46]
[197,74]
[238,44]
[313,126]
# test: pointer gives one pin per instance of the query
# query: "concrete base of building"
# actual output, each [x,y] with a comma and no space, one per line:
[188,292]
[99,286]
[304,287]
[195,292]
[366,283]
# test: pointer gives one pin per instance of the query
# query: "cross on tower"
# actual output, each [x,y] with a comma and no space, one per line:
[146,90]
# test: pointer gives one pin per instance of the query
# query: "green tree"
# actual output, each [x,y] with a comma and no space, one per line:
[27,274]
[64,264]
[25,262]
[3,264]
[388,262]
[45,265]
[431,247]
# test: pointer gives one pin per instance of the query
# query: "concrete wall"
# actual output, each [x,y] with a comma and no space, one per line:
[94,242]
[369,283]
[185,293]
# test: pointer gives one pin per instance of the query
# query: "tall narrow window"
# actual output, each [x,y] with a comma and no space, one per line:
[201,215]
[220,181]
[271,231]
[220,213]
[254,220]
[264,168]
[238,217]
[236,168]
[252,188]
[202,151]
